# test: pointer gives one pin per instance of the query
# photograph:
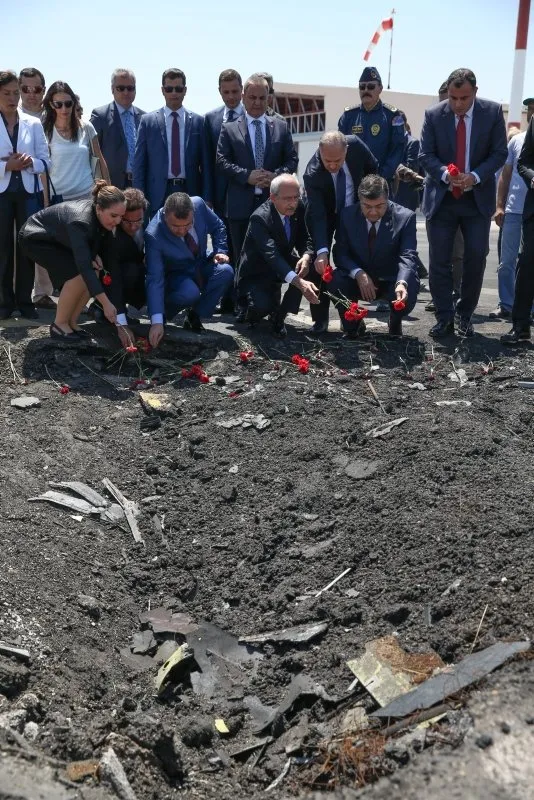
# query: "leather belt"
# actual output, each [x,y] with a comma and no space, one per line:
[176,181]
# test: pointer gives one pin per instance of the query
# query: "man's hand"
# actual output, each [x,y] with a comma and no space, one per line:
[303,266]
[466,180]
[97,264]
[320,263]
[221,258]
[366,286]
[401,292]
[155,334]
[127,339]
[267,177]
[110,312]
[256,177]
[499,216]
[18,162]
[308,290]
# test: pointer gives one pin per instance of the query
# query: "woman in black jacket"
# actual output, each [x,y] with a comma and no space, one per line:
[74,242]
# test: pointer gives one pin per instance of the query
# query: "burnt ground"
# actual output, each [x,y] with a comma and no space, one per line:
[433,519]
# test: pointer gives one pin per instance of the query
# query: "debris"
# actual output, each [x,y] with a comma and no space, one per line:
[163,621]
[452,679]
[459,376]
[453,403]
[160,403]
[378,401]
[332,583]
[300,633]
[301,686]
[361,469]
[143,643]
[387,671]
[354,720]
[131,509]
[452,588]
[221,659]
[423,719]
[419,386]
[165,651]
[281,777]
[89,604]
[112,772]
[26,402]
[78,770]
[15,652]
[180,654]
[221,726]
[84,491]
[66,501]
[257,421]
[13,677]
[234,469]
[386,428]
[526,384]
[244,752]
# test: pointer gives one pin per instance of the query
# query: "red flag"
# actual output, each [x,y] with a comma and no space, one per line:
[385,25]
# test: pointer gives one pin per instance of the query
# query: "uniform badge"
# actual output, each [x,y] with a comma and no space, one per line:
[397,121]
[357,129]
[375,129]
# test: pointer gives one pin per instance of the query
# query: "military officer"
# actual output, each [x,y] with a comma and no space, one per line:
[378,124]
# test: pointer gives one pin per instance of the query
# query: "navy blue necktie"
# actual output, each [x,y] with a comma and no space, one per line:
[287,228]
[341,190]
[230,116]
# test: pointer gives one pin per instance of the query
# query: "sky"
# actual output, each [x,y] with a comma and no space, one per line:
[298,41]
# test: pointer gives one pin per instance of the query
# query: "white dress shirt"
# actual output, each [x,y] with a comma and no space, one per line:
[468,120]
[168,125]
[349,194]
[237,112]
[252,133]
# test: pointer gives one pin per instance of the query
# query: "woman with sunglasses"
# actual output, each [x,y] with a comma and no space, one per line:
[73,143]
[23,156]
[74,241]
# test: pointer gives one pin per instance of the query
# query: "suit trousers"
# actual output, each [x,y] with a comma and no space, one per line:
[16,269]
[133,284]
[345,286]
[183,291]
[238,230]
[524,278]
[264,298]
[453,215]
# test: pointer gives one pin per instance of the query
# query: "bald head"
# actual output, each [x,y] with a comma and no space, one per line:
[333,150]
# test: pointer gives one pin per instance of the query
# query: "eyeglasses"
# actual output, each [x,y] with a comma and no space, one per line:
[171,89]
[132,221]
[32,89]
[369,86]
[121,88]
[61,103]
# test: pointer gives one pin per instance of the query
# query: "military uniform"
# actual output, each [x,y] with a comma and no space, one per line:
[381,129]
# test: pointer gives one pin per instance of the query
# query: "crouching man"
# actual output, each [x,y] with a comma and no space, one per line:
[277,249]
[180,271]
[376,256]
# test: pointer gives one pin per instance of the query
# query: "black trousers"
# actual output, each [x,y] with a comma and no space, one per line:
[17,271]
[264,298]
[524,278]
[238,230]
[133,284]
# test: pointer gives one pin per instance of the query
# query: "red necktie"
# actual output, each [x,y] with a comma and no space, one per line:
[190,242]
[175,145]
[460,152]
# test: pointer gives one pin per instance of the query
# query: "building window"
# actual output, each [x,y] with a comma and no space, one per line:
[303,113]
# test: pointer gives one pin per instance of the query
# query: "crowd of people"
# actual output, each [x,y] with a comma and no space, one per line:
[203,214]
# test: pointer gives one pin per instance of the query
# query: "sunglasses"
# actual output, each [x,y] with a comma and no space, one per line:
[61,103]
[171,89]
[122,88]
[369,86]
[32,89]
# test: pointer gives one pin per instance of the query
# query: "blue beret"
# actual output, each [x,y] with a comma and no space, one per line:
[370,74]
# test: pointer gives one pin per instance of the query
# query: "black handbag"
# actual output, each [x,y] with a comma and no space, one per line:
[35,201]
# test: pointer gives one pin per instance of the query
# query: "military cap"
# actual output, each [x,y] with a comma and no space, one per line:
[528,100]
[371,74]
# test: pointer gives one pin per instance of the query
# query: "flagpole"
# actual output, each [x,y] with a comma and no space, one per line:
[390,50]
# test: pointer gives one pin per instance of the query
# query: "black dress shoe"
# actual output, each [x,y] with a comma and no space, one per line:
[500,313]
[192,322]
[430,306]
[226,306]
[319,327]
[516,336]
[278,327]
[357,332]
[445,327]
[465,327]
[29,312]
[395,324]
[5,313]
[241,316]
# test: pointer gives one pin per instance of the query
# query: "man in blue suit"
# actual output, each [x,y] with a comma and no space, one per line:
[180,271]
[116,125]
[470,134]
[376,255]
[251,152]
[171,153]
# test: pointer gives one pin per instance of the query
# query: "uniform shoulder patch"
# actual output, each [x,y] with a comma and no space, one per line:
[398,120]
[350,108]
[390,108]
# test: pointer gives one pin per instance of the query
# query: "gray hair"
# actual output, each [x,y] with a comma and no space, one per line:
[179,204]
[372,187]
[256,79]
[121,71]
[278,182]
[333,139]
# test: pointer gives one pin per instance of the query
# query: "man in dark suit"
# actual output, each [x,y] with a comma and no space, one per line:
[470,134]
[277,249]
[251,152]
[524,276]
[376,255]
[331,182]
[180,271]
[171,153]
[116,125]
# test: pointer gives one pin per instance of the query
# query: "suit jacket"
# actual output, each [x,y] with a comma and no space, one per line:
[267,254]
[126,248]
[321,193]
[112,141]
[213,121]
[407,194]
[487,152]
[235,160]
[167,253]
[525,167]
[151,162]
[31,140]
[395,250]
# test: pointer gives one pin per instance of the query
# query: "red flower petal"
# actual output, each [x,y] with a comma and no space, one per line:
[106,280]
[399,305]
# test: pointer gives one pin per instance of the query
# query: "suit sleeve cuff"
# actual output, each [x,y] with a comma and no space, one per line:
[401,283]
[291,275]
[156,319]
[322,250]
[121,320]
[445,176]
[355,272]
[476,177]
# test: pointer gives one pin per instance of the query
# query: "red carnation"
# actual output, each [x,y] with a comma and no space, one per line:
[196,370]
[350,316]
[354,307]
[245,356]
[131,349]
[204,378]
[399,305]
[304,366]
[185,373]
[64,389]
[328,274]
[296,359]
[106,280]
[453,170]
